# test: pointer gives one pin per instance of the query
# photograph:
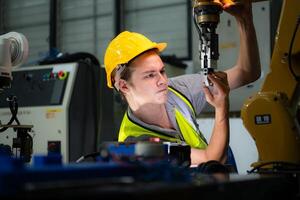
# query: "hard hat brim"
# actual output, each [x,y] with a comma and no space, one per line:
[161,46]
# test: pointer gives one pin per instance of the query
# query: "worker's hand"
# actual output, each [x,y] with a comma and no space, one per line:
[242,9]
[217,95]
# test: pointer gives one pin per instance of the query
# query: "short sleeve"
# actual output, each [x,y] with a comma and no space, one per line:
[190,85]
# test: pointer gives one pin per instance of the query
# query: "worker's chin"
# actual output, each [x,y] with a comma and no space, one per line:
[161,99]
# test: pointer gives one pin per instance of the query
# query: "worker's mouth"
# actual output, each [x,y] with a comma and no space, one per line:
[162,91]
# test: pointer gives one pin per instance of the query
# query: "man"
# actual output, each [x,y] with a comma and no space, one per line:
[167,108]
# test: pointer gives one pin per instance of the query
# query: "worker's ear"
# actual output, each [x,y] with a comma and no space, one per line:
[123,86]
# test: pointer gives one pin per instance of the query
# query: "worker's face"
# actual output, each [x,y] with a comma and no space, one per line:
[148,83]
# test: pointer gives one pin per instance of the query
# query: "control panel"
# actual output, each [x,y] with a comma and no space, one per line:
[43,95]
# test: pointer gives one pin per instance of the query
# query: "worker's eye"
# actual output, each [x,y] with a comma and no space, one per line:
[151,75]
[163,71]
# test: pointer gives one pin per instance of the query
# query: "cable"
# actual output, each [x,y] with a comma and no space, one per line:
[276,165]
[93,155]
[212,166]
[195,22]
[13,106]
[291,48]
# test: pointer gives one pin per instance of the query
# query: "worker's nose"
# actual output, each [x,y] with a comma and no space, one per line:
[162,79]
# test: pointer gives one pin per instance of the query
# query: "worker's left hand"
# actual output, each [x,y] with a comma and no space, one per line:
[218,95]
[242,9]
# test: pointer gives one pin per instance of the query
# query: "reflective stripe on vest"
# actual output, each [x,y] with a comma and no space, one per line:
[130,128]
[190,135]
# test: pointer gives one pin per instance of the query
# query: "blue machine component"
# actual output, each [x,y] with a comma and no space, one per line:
[131,178]
[121,149]
[16,177]
[167,151]
[50,159]
[5,150]
[119,163]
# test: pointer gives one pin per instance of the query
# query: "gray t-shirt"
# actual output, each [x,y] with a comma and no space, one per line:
[190,86]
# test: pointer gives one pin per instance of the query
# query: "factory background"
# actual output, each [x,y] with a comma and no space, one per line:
[57,27]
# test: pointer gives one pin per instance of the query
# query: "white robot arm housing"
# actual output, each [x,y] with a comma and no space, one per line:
[13,53]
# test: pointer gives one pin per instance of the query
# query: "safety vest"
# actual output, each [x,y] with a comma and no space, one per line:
[192,137]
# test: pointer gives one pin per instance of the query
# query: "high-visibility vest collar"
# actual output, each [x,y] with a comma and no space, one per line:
[192,137]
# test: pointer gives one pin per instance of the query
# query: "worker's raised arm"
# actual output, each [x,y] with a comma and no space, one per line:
[247,68]
[217,96]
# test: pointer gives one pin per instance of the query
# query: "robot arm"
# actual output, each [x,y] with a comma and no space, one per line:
[206,17]
[270,116]
[13,52]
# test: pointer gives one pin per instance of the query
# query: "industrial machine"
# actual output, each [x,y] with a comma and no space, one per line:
[52,108]
[60,103]
[272,115]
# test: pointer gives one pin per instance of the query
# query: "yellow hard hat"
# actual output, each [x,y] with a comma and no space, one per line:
[125,47]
